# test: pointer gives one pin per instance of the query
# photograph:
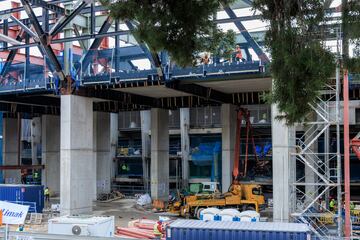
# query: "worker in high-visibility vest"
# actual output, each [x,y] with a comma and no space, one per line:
[47,194]
[125,167]
[332,205]
[158,229]
[238,54]
[352,206]
[35,176]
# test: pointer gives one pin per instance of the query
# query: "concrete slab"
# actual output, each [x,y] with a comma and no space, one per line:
[239,86]
[153,91]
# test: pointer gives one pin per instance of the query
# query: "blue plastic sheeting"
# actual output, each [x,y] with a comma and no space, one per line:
[194,230]
[263,151]
[31,195]
[354,81]
[205,154]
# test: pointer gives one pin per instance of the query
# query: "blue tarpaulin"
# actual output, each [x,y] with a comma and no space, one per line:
[204,153]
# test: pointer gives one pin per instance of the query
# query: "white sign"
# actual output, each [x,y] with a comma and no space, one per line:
[13,213]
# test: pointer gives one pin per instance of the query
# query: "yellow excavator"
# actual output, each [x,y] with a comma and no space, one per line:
[243,196]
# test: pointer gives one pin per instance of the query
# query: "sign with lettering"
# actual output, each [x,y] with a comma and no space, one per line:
[13,213]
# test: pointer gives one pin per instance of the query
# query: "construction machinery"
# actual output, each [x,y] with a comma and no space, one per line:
[243,196]
[355,145]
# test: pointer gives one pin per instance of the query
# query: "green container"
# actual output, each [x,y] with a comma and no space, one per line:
[195,187]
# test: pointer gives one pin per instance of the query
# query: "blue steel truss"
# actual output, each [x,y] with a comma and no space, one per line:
[106,66]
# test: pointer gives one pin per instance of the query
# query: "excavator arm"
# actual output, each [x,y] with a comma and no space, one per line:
[243,114]
[355,145]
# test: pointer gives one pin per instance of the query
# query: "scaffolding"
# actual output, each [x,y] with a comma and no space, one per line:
[317,172]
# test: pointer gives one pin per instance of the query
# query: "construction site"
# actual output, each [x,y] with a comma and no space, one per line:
[106,133]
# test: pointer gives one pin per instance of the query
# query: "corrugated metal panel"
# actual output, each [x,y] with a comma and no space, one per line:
[32,195]
[193,230]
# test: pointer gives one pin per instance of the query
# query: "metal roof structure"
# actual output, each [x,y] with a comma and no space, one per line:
[79,39]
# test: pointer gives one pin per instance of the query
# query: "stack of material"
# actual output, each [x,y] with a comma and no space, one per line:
[137,229]
[109,197]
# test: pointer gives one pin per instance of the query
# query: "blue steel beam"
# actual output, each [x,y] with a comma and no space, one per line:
[77,34]
[86,59]
[43,38]
[5,30]
[153,56]
[45,5]
[24,27]
[247,36]
[11,55]
[249,2]
[117,46]
[71,39]
[45,21]
[65,20]
[92,18]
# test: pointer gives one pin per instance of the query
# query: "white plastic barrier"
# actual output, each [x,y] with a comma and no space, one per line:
[209,214]
[249,216]
[229,215]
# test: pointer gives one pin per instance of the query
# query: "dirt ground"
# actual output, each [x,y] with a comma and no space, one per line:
[124,210]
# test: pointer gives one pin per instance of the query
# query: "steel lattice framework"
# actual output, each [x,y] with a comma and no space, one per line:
[312,191]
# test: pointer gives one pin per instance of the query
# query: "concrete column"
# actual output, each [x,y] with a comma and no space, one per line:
[94,160]
[159,154]
[10,151]
[35,139]
[145,117]
[103,153]
[185,144]
[114,139]
[76,155]
[283,141]
[50,134]
[228,121]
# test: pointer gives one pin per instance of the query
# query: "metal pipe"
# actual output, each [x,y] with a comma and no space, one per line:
[23,26]
[70,39]
[338,153]
[346,155]
[9,40]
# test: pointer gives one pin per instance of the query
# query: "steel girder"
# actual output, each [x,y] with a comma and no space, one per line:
[43,39]
[247,36]
[11,55]
[86,59]
[152,56]
[65,20]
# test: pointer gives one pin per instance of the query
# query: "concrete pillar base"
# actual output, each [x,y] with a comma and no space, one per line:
[77,167]
[159,154]
[10,151]
[283,141]
[51,153]
[228,120]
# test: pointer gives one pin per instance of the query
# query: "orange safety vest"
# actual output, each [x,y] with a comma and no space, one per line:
[238,54]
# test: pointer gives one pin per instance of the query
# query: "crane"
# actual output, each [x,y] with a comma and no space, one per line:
[243,114]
